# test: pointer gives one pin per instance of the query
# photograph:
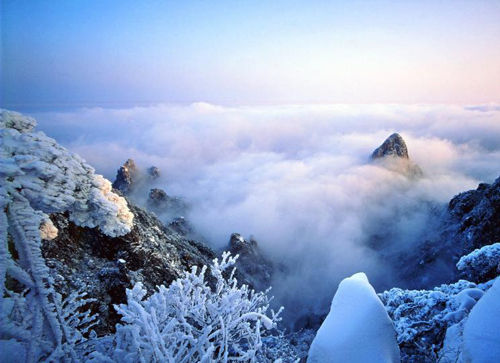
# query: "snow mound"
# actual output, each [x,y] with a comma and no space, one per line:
[481,339]
[357,328]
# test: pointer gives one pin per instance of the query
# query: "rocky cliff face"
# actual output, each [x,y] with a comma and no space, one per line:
[472,220]
[252,265]
[476,215]
[85,259]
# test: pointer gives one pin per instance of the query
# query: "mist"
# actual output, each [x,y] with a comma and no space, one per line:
[298,178]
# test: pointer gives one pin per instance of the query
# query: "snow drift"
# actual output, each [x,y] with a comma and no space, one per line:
[357,328]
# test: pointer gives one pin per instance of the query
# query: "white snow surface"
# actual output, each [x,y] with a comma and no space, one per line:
[53,179]
[357,328]
[481,337]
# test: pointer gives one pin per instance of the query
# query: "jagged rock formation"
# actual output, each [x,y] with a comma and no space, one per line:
[394,146]
[472,220]
[157,196]
[393,153]
[181,226]
[251,264]
[476,214]
[85,258]
[153,172]
[126,176]
[161,203]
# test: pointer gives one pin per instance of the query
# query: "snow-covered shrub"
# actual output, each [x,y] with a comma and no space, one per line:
[481,264]
[422,317]
[38,177]
[357,328]
[191,322]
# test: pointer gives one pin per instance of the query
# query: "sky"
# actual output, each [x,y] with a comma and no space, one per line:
[61,53]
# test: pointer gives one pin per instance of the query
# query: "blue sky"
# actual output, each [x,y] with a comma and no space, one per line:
[73,53]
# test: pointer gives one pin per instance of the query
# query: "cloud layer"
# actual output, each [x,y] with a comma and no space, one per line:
[298,178]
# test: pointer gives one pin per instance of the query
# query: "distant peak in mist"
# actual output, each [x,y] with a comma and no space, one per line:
[394,146]
[394,154]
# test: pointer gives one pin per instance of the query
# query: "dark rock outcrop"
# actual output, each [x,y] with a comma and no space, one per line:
[251,264]
[393,154]
[471,221]
[394,146]
[476,214]
[157,196]
[161,203]
[154,172]
[126,176]
[181,226]
[83,258]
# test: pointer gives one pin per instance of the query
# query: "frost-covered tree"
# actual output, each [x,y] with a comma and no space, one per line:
[189,321]
[38,177]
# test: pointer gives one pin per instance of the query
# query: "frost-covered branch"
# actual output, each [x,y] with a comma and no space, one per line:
[190,322]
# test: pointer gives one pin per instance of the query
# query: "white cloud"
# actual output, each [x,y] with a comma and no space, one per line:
[297,177]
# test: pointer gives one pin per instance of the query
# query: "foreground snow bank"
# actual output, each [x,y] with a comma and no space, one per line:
[357,329]
[481,338]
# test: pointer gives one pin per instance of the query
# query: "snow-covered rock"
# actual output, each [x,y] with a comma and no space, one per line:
[357,329]
[39,177]
[53,179]
[481,332]
[429,323]
[481,264]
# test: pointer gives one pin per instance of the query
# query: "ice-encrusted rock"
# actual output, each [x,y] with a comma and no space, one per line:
[39,177]
[126,177]
[357,328]
[53,179]
[482,264]
[422,318]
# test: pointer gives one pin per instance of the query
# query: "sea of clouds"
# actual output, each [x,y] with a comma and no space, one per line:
[298,178]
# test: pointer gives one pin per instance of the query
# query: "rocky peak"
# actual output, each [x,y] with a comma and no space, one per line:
[157,196]
[251,264]
[126,176]
[394,146]
[238,245]
[153,172]
[393,154]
